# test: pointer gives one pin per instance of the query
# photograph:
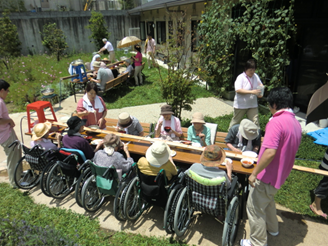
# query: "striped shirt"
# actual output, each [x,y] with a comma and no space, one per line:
[324,163]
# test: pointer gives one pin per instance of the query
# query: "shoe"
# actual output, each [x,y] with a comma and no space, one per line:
[245,242]
[274,233]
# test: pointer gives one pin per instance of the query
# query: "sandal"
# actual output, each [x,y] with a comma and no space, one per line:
[314,211]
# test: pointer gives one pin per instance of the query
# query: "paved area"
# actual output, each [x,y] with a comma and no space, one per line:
[294,228]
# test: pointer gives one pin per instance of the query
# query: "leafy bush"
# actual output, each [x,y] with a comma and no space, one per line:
[97,26]
[54,39]
[19,232]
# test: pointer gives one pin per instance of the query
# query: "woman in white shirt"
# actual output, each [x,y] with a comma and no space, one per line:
[247,91]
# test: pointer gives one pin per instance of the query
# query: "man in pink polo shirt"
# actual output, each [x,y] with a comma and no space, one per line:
[276,159]
[8,135]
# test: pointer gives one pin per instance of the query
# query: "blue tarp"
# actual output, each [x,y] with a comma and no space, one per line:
[321,136]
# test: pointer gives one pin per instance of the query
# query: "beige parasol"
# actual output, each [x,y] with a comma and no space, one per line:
[317,108]
[128,41]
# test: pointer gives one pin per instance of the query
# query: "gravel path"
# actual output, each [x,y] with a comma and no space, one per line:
[211,106]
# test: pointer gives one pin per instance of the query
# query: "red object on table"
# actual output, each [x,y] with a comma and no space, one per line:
[39,107]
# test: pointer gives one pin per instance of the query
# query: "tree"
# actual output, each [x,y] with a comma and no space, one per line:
[127,4]
[9,41]
[97,28]
[262,26]
[13,5]
[54,39]
[183,65]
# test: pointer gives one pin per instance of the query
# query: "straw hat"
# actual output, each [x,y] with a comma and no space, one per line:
[166,109]
[212,156]
[124,120]
[158,154]
[74,123]
[111,141]
[96,64]
[105,59]
[248,129]
[41,129]
[198,118]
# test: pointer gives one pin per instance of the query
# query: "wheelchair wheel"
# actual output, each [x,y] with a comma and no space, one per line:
[170,208]
[119,201]
[183,213]
[133,203]
[92,199]
[59,185]
[25,177]
[231,223]
[43,179]
[79,185]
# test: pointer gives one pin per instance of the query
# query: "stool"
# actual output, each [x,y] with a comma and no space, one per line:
[78,71]
[50,98]
[39,107]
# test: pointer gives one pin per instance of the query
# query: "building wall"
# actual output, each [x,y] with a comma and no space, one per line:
[73,24]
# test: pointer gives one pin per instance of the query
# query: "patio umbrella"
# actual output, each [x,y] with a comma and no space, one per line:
[318,105]
[128,41]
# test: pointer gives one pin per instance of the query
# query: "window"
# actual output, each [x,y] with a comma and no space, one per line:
[161,32]
[143,34]
[194,35]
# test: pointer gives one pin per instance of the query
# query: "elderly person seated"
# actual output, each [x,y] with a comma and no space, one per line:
[244,137]
[96,57]
[208,167]
[168,126]
[158,156]
[109,156]
[198,133]
[104,75]
[74,139]
[129,67]
[40,136]
[129,124]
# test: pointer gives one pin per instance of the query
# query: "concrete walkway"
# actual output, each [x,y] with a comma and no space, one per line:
[294,228]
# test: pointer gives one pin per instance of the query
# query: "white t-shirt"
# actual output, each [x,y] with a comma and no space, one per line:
[109,46]
[243,101]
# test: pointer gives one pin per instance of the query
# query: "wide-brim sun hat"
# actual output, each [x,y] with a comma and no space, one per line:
[124,120]
[74,123]
[248,129]
[198,118]
[166,109]
[40,129]
[96,64]
[212,156]
[158,154]
[111,141]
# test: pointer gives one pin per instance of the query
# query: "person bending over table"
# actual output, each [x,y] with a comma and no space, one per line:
[74,139]
[129,124]
[244,137]
[198,133]
[208,167]
[168,126]
[109,156]
[157,157]
[40,136]
[104,75]
[92,107]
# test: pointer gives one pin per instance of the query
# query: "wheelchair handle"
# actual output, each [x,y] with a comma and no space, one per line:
[84,164]
[14,143]
[106,172]
[159,173]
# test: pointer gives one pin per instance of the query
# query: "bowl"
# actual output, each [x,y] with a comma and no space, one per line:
[94,127]
[48,92]
[167,128]
[247,162]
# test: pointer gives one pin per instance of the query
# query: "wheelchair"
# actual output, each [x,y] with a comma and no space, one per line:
[215,200]
[28,174]
[144,191]
[103,182]
[63,175]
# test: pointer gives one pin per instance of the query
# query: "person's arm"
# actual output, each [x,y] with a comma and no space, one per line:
[102,49]
[80,110]
[230,146]
[208,137]
[177,131]
[189,133]
[102,118]
[256,92]
[265,160]
[158,128]
[141,133]
[58,137]
[229,167]
[7,121]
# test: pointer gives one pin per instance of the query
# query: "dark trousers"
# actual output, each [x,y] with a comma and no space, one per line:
[322,190]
